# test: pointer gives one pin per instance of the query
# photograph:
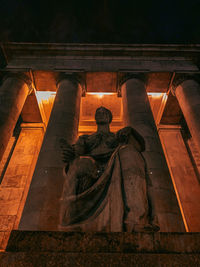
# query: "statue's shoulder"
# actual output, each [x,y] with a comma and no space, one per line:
[84,136]
[82,139]
[124,134]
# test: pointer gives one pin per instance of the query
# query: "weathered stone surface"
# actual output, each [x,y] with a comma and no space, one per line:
[4,236]
[188,96]
[13,94]
[138,114]
[46,259]
[102,57]
[10,200]
[105,182]
[183,175]
[16,180]
[46,241]
[42,206]
[101,249]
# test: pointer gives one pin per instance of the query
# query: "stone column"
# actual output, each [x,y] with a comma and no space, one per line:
[13,93]
[41,210]
[187,92]
[137,113]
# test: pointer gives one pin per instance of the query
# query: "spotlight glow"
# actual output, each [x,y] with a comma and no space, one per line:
[101,94]
[44,95]
[156,94]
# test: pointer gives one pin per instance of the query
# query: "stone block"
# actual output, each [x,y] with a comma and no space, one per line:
[29,248]
[48,259]
[10,200]
[90,260]
[101,242]
[14,181]
[17,169]
[7,222]
[4,236]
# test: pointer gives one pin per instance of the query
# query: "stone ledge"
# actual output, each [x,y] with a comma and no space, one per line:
[80,242]
[21,259]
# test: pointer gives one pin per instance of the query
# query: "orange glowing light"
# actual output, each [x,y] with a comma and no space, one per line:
[100,94]
[44,95]
[157,95]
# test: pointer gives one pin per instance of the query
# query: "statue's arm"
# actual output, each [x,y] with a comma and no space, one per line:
[129,135]
[70,152]
[80,146]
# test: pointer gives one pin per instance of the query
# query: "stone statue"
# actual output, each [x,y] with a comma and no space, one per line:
[105,186]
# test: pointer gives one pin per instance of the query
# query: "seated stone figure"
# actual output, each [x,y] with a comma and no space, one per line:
[105,186]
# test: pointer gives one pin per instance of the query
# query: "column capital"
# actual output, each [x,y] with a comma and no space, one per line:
[181,77]
[21,76]
[75,78]
[125,76]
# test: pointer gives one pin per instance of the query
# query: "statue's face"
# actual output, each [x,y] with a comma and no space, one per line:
[103,116]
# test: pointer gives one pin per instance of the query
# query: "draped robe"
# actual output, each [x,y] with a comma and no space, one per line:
[105,186]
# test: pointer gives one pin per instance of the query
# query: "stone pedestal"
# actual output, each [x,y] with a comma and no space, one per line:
[188,96]
[38,248]
[137,113]
[41,211]
[13,93]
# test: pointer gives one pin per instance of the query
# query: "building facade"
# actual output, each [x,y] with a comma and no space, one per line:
[50,92]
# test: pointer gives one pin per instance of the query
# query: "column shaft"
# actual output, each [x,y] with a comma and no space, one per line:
[188,96]
[41,211]
[13,94]
[137,113]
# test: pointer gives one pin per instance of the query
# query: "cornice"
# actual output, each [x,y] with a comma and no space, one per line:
[100,50]
[109,57]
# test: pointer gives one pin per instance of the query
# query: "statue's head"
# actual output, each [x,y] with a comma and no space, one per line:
[103,116]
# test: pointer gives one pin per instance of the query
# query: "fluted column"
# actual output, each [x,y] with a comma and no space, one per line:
[187,92]
[41,210]
[13,93]
[137,113]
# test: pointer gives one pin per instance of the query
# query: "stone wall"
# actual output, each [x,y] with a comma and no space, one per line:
[16,180]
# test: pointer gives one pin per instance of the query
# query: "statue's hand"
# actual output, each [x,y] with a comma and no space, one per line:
[67,151]
[123,134]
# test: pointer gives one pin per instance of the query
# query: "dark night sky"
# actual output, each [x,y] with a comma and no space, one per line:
[101,21]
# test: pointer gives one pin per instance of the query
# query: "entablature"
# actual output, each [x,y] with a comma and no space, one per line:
[100,57]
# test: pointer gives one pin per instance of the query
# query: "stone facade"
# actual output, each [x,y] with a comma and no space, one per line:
[152,88]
